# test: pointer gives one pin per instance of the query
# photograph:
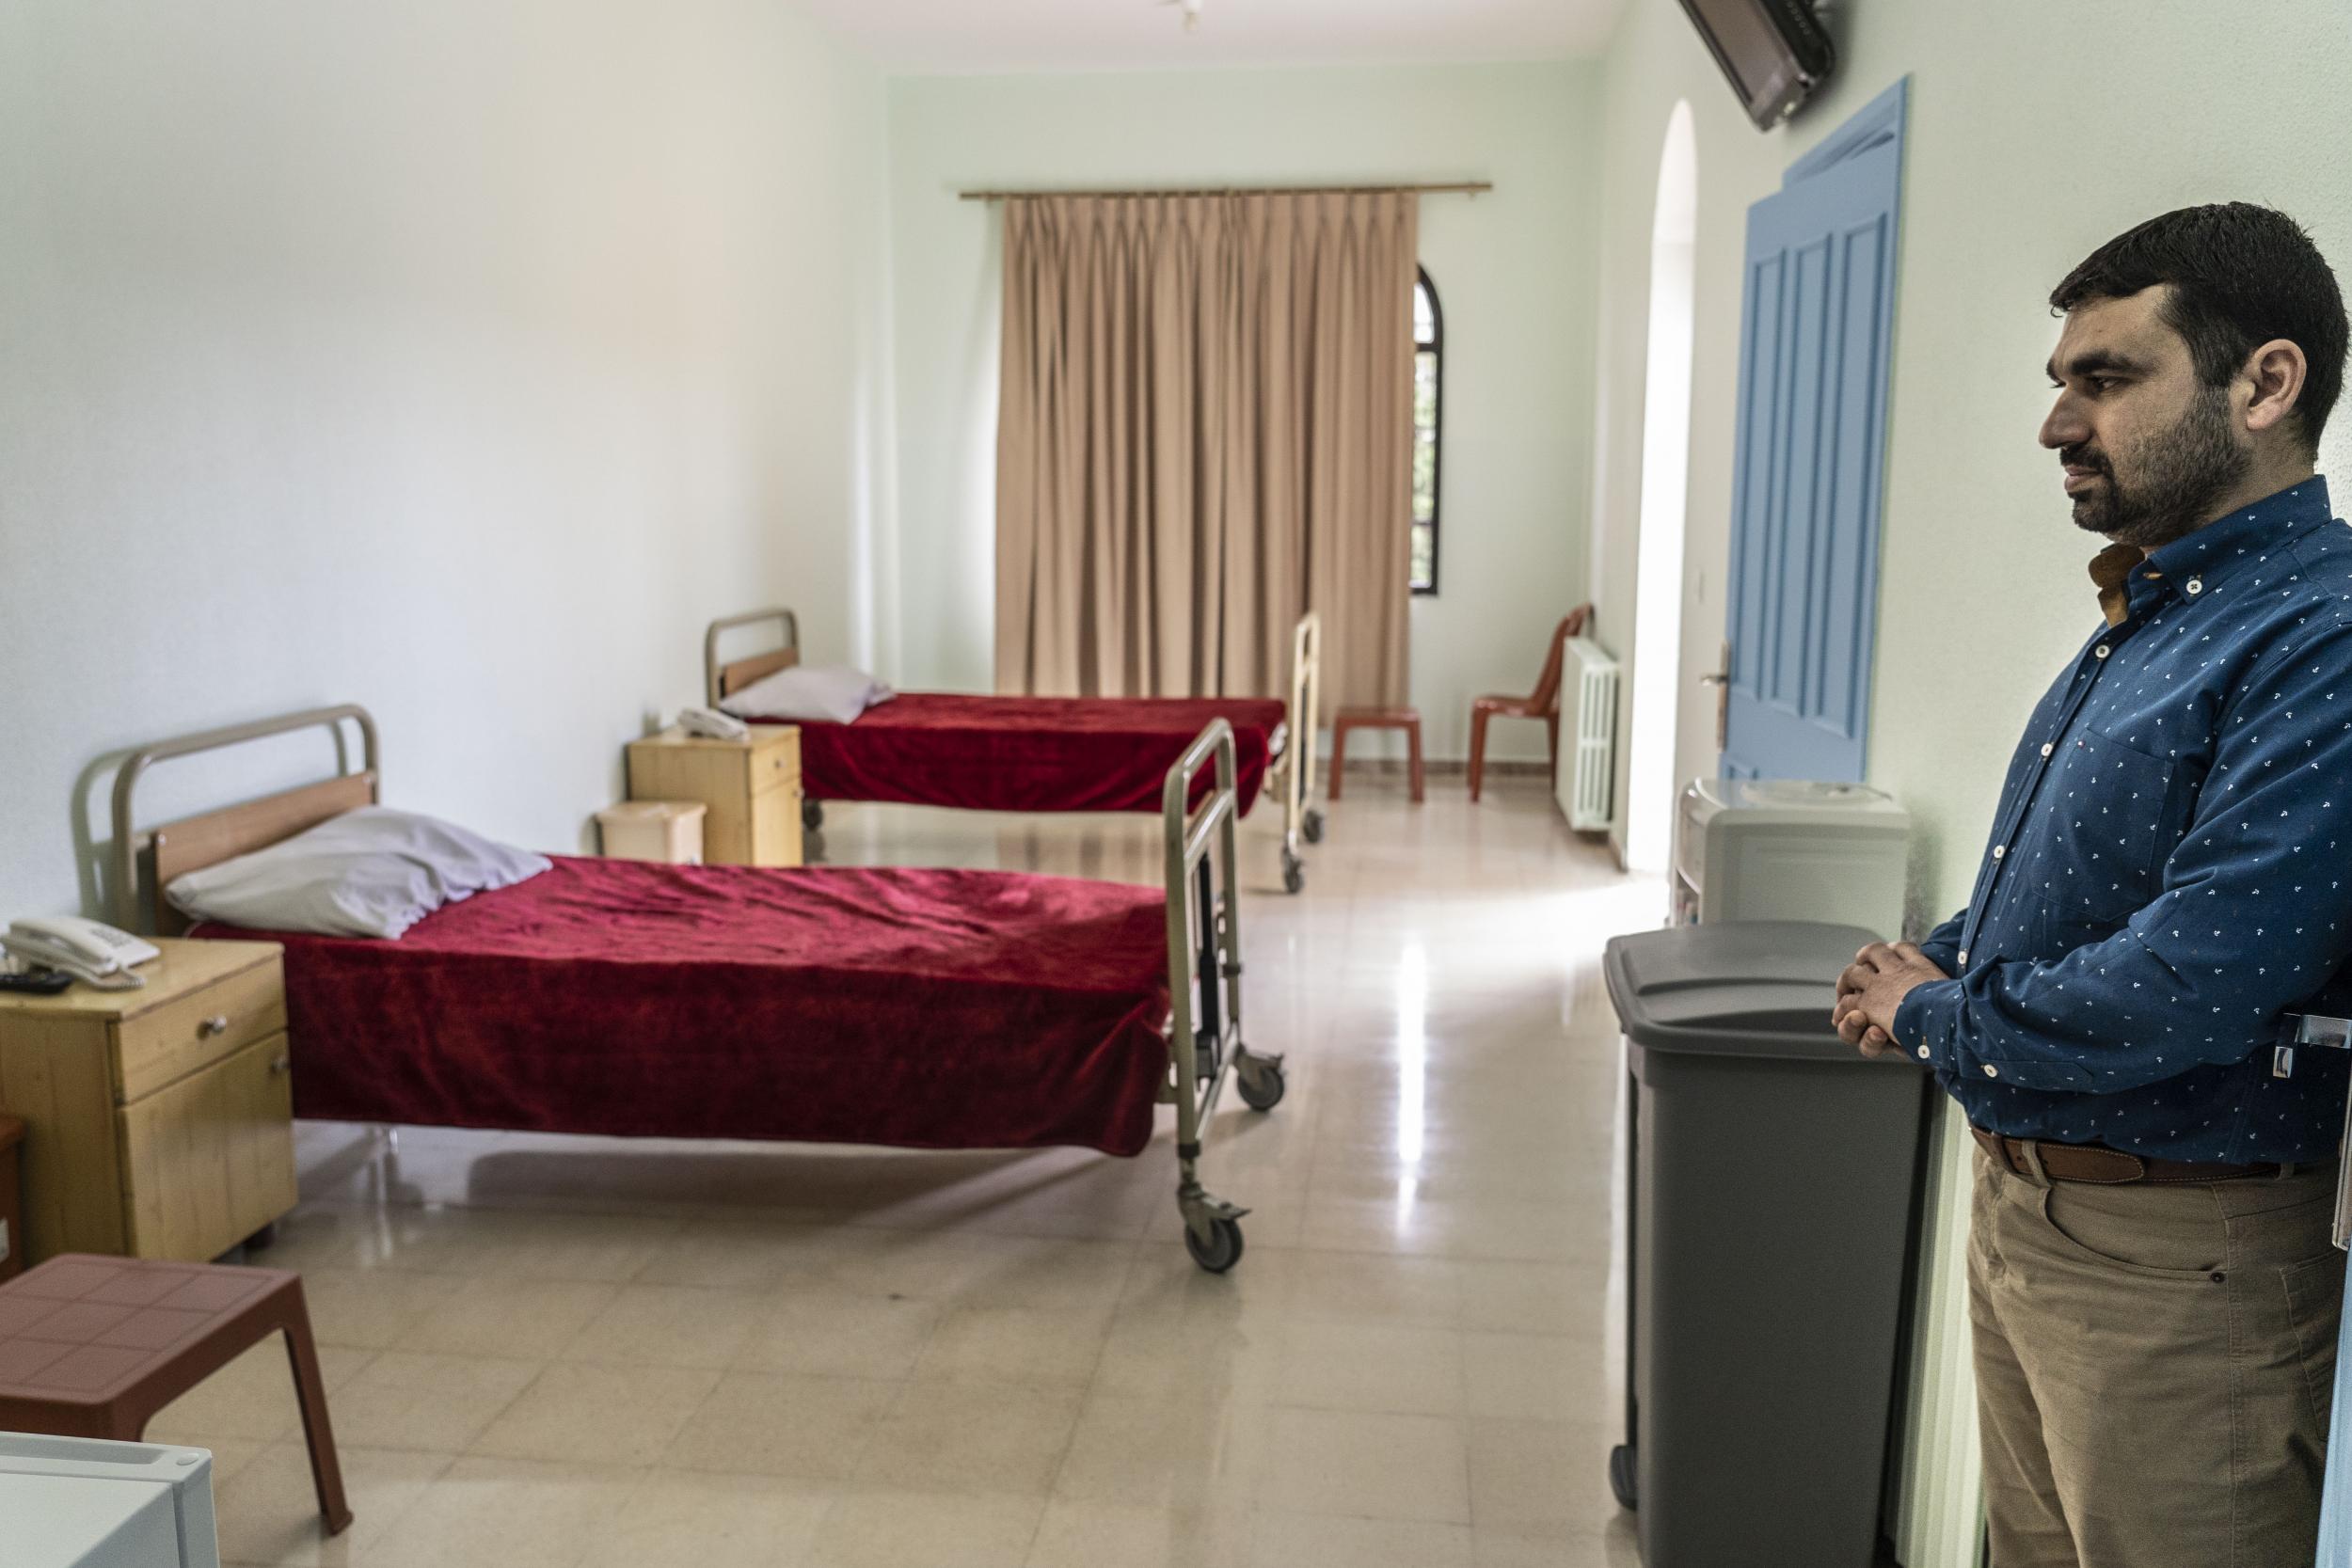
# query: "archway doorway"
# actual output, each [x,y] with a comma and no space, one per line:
[1657,685]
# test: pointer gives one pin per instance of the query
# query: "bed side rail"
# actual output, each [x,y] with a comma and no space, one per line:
[1189,832]
[1205,1040]
[1302,824]
[1305,700]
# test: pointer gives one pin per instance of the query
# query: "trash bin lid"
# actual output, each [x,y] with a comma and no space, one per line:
[1734,988]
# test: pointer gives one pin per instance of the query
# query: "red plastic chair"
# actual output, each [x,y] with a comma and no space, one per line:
[1543,703]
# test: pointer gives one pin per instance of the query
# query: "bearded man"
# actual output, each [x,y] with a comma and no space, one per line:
[2153,1290]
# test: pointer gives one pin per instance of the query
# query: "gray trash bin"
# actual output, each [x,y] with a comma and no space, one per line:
[1774,1184]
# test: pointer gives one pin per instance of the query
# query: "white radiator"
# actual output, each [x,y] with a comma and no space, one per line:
[1940,1513]
[1588,700]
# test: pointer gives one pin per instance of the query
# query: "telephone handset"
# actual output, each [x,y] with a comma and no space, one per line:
[86,949]
[712,724]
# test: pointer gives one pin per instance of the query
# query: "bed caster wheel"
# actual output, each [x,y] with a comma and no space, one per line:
[1313,826]
[1262,1084]
[812,814]
[1294,873]
[1221,1251]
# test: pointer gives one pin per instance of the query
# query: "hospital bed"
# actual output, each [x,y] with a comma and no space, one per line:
[908,1009]
[1040,754]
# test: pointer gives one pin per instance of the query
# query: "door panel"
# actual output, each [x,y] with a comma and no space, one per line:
[211,1159]
[1816,334]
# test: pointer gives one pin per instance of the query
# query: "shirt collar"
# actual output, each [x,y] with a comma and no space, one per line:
[2111,569]
[2217,549]
[2213,552]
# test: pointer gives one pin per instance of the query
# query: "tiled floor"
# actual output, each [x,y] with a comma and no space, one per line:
[574,1352]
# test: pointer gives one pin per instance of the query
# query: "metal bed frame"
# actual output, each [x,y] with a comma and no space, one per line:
[1301,820]
[1203,1030]
[1294,744]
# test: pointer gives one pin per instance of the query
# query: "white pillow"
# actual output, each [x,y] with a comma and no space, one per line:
[373,872]
[837,692]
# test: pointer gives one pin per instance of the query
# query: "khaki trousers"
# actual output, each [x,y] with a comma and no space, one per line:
[2154,1367]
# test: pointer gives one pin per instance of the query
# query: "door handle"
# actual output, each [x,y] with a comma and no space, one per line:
[1721,681]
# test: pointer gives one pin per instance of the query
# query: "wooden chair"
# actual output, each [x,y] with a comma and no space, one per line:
[1543,703]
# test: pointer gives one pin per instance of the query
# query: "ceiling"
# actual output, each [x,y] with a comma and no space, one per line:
[979,35]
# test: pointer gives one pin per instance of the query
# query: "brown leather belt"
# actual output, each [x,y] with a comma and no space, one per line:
[2106,1167]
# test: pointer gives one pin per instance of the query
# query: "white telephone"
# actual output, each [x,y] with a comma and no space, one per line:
[84,949]
[712,725]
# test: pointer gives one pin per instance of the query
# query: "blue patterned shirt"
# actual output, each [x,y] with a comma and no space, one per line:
[2170,865]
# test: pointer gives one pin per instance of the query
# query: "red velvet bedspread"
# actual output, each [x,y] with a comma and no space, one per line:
[1031,753]
[916,1008]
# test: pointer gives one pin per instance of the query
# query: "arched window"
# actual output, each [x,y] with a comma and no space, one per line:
[1428,379]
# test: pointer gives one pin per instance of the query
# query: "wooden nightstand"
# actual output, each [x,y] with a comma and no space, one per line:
[158,1122]
[11,1208]
[753,788]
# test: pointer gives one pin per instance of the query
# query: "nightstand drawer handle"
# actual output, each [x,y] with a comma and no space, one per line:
[281,1065]
[217,1024]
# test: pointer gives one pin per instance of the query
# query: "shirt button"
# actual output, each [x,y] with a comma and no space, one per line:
[2000,851]
[2100,650]
[2195,585]
[1964,958]
[1992,1071]
[2049,746]
[1923,1053]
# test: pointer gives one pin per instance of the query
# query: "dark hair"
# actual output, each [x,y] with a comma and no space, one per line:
[2241,276]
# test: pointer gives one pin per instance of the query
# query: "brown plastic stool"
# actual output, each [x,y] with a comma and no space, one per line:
[1405,719]
[11,1200]
[92,1347]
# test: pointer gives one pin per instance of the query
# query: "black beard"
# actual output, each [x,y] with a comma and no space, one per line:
[2177,479]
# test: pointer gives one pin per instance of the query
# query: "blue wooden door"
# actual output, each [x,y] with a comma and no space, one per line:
[1816,330]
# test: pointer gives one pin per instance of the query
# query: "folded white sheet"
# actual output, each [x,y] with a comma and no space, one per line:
[374,872]
[810,693]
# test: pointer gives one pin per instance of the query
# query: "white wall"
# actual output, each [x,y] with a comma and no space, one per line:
[2012,177]
[459,358]
[2031,142]
[1656,62]
[1514,270]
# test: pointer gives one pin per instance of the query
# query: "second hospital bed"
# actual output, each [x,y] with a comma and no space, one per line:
[979,752]
[908,1009]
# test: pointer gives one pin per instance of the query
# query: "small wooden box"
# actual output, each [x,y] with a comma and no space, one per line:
[670,831]
[753,788]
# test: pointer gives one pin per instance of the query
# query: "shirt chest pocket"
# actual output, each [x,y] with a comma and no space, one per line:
[2107,822]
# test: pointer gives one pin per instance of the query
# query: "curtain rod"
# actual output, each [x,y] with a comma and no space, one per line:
[1467,188]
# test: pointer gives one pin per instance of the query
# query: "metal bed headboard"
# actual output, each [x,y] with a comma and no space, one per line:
[194,842]
[715,682]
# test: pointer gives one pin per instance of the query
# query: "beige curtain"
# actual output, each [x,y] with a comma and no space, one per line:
[1204,429]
